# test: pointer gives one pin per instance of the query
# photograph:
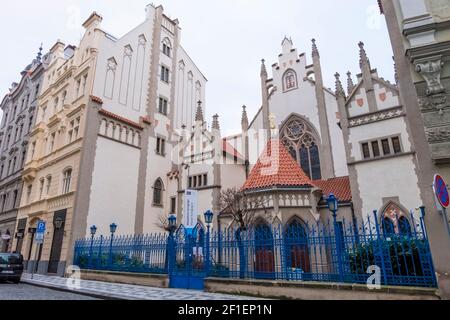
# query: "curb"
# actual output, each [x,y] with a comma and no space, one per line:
[88,293]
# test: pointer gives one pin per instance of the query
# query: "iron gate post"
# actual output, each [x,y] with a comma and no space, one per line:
[338,247]
[110,258]
[380,247]
[91,251]
[208,253]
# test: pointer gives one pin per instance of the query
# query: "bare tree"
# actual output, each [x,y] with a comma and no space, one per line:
[163,222]
[241,207]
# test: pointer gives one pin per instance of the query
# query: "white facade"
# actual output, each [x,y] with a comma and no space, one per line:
[130,91]
[380,154]
[300,99]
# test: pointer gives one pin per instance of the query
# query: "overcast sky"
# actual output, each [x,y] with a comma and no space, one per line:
[226,38]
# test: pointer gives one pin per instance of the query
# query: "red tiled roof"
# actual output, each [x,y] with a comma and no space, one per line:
[340,187]
[228,148]
[97,99]
[276,168]
[117,117]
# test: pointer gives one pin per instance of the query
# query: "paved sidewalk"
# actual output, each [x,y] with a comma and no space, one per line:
[125,291]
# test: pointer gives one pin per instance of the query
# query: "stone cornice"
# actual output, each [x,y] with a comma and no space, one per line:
[437,26]
[380,115]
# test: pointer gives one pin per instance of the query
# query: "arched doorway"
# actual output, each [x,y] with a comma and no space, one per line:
[264,265]
[297,258]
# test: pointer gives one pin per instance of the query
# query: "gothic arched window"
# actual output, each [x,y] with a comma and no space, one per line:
[302,142]
[158,192]
[289,80]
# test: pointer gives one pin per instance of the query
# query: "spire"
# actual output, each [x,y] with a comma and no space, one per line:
[263,69]
[363,60]
[350,84]
[199,114]
[244,120]
[39,55]
[339,89]
[315,51]
[215,123]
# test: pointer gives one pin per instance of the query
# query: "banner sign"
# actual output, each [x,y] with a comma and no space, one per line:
[190,209]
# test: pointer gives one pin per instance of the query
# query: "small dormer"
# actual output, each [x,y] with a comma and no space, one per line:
[93,21]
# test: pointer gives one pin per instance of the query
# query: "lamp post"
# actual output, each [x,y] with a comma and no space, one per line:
[208,219]
[112,229]
[333,206]
[93,232]
[171,250]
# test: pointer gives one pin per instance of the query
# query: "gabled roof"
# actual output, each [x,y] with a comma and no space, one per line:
[340,187]
[276,168]
[229,149]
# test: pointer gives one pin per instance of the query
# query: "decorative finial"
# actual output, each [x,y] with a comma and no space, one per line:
[315,51]
[244,120]
[215,123]
[199,114]
[350,84]
[263,68]
[363,60]
[339,89]
[39,55]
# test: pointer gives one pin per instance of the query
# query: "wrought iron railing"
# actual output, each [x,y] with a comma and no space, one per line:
[396,252]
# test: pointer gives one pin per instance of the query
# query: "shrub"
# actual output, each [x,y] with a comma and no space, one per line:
[402,254]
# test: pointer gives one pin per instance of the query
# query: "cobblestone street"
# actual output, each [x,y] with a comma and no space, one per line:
[25,291]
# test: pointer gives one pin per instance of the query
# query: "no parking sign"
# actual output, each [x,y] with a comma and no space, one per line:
[441,191]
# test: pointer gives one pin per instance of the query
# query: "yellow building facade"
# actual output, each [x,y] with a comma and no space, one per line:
[51,169]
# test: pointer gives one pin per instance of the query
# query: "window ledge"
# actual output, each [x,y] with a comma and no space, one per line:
[382,157]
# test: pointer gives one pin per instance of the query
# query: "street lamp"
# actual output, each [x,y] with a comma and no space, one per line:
[209,215]
[333,206]
[112,229]
[93,232]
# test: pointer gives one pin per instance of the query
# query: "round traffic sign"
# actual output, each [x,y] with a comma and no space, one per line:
[441,191]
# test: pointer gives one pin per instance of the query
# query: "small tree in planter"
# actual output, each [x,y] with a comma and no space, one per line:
[241,207]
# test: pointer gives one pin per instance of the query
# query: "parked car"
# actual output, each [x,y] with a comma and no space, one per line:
[11,267]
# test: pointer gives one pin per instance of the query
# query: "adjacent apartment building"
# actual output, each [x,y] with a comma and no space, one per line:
[420,36]
[101,148]
[19,109]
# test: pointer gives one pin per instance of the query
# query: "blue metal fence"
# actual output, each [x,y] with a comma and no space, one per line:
[324,252]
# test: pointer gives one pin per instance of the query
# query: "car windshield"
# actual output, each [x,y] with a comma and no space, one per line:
[10,258]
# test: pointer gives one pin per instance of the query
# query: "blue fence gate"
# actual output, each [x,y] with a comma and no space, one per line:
[187,258]
[328,251]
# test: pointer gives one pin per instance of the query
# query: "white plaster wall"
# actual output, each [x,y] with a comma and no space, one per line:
[114,187]
[232,176]
[388,178]
[337,139]
[376,130]
[186,94]
[157,167]
[353,107]
[136,83]
[301,101]
[390,101]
